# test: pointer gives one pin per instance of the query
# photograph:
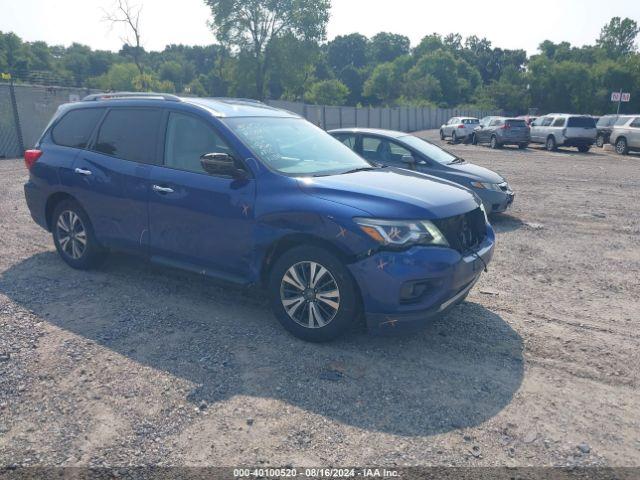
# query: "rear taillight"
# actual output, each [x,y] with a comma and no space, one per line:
[506,126]
[31,157]
[460,126]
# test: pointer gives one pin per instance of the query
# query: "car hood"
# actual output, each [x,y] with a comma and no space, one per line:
[475,173]
[393,193]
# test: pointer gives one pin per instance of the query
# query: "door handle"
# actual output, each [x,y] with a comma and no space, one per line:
[159,189]
[82,171]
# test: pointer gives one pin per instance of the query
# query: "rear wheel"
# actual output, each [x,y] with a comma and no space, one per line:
[600,141]
[441,135]
[551,144]
[522,146]
[454,137]
[622,148]
[583,148]
[313,294]
[74,238]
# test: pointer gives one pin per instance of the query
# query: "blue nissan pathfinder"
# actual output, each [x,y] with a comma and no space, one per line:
[243,192]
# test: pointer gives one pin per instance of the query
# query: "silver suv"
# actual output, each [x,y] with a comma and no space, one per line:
[564,130]
[458,128]
[625,135]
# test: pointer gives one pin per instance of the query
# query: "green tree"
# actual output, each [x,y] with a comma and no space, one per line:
[618,37]
[385,83]
[386,47]
[347,50]
[292,64]
[327,92]
[251,24]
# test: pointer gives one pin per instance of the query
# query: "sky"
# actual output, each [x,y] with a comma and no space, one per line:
[512,24]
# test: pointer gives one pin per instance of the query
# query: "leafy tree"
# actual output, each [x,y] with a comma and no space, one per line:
[348,51]
[292,64]
[327,92]
[618,37]
[386,47]
[251,24]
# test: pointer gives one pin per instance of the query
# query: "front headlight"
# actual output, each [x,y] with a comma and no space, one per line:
[401,233]
[486,186]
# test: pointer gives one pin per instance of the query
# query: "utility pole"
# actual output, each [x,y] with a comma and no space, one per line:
[619,102]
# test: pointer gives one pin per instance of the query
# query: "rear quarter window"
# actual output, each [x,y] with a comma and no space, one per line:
[75,128]
[581,122]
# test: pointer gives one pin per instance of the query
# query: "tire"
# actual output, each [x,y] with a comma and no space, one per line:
[583,148]
[309,317]
[523,146]
[69,216]
[551,144]
[622,148]
[494,142]
[600,141]
[441,135]
[474,139]
[454,137]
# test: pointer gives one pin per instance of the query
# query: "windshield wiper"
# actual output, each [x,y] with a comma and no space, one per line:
[457,160]
[360,169]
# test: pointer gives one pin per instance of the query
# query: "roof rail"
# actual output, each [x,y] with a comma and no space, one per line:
[233,99]
[131,96]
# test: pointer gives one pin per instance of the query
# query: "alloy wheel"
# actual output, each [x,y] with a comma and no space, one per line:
[71,234]
[310,295]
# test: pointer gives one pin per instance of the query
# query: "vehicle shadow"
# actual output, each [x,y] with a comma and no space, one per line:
[502,222]
[460,372]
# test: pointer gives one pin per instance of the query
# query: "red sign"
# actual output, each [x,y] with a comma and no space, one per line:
[626,97]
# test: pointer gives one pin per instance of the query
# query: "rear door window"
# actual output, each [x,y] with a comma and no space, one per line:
[75,128]
[559,122]
[581,122]
[347,139]
[130,134]
[371,148]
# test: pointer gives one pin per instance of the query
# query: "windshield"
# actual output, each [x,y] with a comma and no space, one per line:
[429,150]
[516,123]
[295,147]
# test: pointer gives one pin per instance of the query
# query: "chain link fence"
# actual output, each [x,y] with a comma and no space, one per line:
[25,111]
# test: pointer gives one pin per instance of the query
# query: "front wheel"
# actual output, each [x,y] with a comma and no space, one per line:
[74,238]
[621,146]
[600,141]
[312,294]
[474,139]
[494,142]
[583,148]
[551,144]
[522,146]
[441,135]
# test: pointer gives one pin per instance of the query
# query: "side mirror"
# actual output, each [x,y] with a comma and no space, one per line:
[409,160]
[221,164]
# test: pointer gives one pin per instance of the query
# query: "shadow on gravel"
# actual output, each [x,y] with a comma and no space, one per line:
[460,372]
[503,223]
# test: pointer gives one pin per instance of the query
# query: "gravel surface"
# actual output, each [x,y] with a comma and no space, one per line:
[139,365]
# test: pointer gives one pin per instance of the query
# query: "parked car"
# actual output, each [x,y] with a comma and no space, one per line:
[458,128]
[398,149]
[243,192]
[500,131]
[560,129]
[604,126]
[625,135]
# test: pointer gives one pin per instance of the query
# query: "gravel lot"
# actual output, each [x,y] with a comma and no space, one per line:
[138,365]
